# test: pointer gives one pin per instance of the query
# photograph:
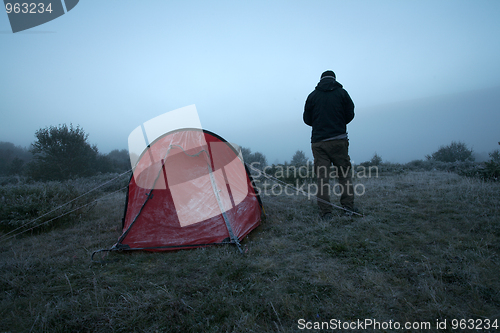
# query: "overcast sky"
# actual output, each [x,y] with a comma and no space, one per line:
[421,73]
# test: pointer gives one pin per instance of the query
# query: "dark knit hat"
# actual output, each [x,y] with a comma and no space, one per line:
[328,73]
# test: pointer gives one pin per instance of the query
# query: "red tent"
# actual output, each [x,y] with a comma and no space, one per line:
[190,188]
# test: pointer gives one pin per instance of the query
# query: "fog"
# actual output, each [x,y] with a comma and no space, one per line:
[421,74]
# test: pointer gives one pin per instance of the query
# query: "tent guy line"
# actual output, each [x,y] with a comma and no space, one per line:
[55,218]
[3,237]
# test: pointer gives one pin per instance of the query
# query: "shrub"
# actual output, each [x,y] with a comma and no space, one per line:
[495,155]
[376,160]
[456,151]
[493,165]
[489,170]
[299,158]
[257,160]
[21,202]
[12,159]
[119,160]
[62,153]
[418,165]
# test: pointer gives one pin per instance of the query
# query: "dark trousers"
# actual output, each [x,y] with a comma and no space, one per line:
[325,154]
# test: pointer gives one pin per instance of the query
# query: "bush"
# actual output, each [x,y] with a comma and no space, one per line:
[454,152]
[299,158]
[62,153]
[487,171]
[495,156]
[12,159]
[23,202]
[492,170]
[493,165]
[257,160]
[418,165]
[376,160]
[119,160]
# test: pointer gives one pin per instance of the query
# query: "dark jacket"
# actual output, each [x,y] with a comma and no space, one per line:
[328,110]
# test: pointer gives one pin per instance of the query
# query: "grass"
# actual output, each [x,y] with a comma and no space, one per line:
[25,204]
[426,250]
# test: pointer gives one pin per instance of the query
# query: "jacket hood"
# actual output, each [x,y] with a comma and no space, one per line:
[328,84]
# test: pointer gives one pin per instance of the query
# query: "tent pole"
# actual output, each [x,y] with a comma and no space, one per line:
[223,211]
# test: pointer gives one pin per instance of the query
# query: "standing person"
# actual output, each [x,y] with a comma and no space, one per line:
[328,110]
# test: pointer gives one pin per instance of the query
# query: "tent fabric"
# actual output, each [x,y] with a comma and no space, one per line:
[190,188]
